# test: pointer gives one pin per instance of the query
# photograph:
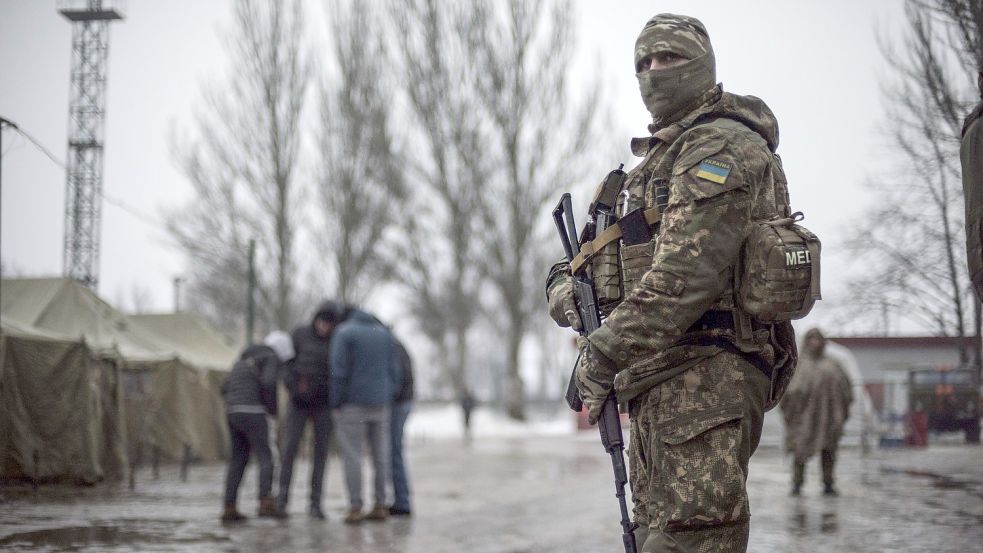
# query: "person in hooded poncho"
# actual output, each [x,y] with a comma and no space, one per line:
[815,408]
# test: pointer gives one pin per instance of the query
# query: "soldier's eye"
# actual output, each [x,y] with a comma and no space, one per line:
[666,58]
[644,64]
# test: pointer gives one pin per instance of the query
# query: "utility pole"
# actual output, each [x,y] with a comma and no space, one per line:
[87,114]
[251,294]
[177,293]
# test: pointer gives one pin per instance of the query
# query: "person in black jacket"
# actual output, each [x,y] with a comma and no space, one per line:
[307,379]
[250,394]
[402,405]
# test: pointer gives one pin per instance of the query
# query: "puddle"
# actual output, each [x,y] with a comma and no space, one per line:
[100,536]
[941,481]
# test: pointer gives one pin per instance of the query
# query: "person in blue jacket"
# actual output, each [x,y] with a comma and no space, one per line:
[365,375]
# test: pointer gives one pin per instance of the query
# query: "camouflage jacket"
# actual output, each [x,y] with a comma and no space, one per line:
[971,155]
[721,174]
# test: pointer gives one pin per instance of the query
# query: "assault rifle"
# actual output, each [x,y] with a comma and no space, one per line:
[609,422]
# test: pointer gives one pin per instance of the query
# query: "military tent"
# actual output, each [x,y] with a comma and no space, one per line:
[197,343]
[171,403]
[60,408]
[193,339]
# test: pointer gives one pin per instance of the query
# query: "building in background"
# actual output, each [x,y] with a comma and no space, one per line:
[885,364]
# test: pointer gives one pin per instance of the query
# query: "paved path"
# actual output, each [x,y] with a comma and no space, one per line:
[516,495]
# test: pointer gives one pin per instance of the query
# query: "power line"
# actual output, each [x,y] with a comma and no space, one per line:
[39,146]
[115,202]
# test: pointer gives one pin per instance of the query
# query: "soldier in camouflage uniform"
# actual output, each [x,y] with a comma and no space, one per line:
[695,373]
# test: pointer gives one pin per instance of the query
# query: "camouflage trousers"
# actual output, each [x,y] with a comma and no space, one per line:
[691,439]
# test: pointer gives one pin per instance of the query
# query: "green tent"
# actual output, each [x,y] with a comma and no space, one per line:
[170,400]
[60,408]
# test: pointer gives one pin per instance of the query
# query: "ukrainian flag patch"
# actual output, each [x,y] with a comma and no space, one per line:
[713,170]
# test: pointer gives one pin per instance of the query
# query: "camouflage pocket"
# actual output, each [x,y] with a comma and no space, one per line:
[701,465]
[635,262]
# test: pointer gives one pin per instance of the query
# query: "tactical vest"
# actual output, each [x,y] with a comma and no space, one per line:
[777,275]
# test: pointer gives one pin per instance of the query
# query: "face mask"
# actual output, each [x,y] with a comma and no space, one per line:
[668,91]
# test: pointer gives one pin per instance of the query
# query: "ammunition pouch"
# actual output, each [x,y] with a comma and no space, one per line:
[636,260]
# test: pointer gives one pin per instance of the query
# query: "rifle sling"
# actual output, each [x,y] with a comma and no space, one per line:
[607,236]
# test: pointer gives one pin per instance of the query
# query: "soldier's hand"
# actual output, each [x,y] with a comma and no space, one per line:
[595,378]
[563,308]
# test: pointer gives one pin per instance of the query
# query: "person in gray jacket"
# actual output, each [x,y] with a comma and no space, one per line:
[365,375]
[250,394]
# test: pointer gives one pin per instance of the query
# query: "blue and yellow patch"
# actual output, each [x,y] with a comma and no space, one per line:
[713,170]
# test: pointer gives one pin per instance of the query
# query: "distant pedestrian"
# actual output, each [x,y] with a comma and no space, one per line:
[249,392]
[307,379]
[467,406]
[815,407]
[364,378]
[402,405]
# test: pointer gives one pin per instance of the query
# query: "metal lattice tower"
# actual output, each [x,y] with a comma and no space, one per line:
[87,109]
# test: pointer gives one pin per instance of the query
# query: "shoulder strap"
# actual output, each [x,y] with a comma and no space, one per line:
[610,234]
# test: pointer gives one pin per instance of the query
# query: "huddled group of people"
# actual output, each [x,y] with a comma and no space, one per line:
[350,377]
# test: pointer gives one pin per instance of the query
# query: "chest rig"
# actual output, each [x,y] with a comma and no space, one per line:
[617,258]
[619,255]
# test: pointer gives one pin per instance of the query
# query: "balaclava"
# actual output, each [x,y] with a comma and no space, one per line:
[815,332]
[668,92]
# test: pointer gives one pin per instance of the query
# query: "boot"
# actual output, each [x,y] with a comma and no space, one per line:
[316,512]
[281,507]
[354,516]
[267,508]
[378,513]
[400,511]
[798,477]
[828,459]
[230,514]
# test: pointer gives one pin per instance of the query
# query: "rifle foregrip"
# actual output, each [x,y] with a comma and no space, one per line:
[572,396]
[609,423]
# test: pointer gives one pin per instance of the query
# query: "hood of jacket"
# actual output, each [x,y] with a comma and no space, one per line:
[361,317]
[749,110]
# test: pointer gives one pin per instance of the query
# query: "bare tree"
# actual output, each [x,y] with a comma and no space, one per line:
[360,182]
[911,243]
[447,166]
[242,164]
[135,301]
[540,137]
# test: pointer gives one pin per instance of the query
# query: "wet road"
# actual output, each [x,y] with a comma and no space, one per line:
[511,495]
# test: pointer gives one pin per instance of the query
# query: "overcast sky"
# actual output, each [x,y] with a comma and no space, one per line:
[815,63]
